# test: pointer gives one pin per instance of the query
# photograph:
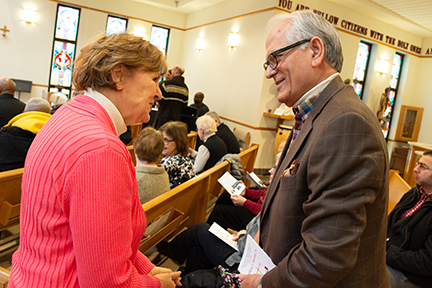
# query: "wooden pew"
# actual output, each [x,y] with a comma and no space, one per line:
[10,197]
[4,277]
[397,188]
[214,174]
[243,137]
[188,203]
[132,153]
[192,137]
[135,130]
[248,158]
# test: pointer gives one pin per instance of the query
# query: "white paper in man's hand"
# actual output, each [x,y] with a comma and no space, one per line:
[254,259]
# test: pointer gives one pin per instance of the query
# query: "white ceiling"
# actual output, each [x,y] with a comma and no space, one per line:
[414,16]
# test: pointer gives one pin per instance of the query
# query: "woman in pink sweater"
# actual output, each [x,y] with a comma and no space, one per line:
[81,218]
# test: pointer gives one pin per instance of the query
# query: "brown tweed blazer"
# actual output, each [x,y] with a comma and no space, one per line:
[325,226]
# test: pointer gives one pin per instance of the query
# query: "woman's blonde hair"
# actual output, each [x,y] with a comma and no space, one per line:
[92,67]
[148,145]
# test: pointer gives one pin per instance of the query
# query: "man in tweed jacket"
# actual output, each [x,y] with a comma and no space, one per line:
[323,221]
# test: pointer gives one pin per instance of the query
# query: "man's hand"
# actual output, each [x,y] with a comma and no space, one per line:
[238,200]
[250,281]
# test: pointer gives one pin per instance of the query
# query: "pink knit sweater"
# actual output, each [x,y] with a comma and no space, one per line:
[81,219]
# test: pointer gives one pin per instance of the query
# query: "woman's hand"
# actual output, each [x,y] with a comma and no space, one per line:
[169,280]
[159,270]
[238,200]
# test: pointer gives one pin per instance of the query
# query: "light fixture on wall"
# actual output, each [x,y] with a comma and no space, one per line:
[139,33]
[29,15]
[200,43]
[233,39]
[382,66]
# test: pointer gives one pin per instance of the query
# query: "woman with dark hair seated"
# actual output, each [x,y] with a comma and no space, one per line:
[213,147]
[152,178]
[176,160]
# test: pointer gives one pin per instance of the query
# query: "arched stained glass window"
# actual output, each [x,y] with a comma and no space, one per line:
[159,37]
[64,46]
[361,65]
[394,84]
[116,24]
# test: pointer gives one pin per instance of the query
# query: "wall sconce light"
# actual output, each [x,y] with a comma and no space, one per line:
[383,66]
[29,15]
[139,33]
[233,39]
[200,43]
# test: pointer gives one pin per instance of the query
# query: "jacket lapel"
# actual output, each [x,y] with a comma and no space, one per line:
[332,88]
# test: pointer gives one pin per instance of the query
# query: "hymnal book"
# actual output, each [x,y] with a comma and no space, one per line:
[231,185]
[223,234]
[255,180]
[254,259]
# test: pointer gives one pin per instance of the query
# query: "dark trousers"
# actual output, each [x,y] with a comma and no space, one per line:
[227,215]
[199,247]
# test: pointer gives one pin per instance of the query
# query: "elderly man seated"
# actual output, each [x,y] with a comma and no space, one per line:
[213,147]
[18,134]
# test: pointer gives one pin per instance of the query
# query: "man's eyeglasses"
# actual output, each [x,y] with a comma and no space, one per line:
[167,141]
[271,58]
[423,166]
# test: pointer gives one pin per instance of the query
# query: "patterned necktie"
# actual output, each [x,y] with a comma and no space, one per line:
[301,113]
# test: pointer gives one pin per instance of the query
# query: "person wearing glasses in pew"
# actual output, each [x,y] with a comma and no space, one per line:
[324,217]
[81,218]
[409,232]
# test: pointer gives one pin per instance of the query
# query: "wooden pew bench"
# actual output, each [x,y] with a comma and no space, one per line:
[397,188]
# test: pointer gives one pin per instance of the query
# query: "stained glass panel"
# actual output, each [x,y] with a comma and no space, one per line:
[395,71]
[61,70]
[116,25]
[362,59]
[159,37]
[67,23]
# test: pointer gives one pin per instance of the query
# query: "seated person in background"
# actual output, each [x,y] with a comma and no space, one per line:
[235,211]
[199,105]
[9,105]
[176,150]
[203,250]
[409,232]
[152,178]
[17,135]
[213,147]
[224,132]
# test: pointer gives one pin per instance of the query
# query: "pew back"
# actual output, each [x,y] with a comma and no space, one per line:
[10,197]
[187,204]
[397,188]
[248,158]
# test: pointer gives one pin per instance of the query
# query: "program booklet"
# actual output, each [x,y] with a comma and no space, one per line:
[231,185]
[255,180]
[223,234]
[254,259]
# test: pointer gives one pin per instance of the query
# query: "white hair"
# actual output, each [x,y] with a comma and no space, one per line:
[305,25]
[206,124]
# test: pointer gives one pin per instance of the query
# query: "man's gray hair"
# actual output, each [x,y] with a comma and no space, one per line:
[38,104]
[206,124]
[213,115]
[305,25]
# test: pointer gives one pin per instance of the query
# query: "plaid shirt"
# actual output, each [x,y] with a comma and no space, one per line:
[424,197]
[301,113]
